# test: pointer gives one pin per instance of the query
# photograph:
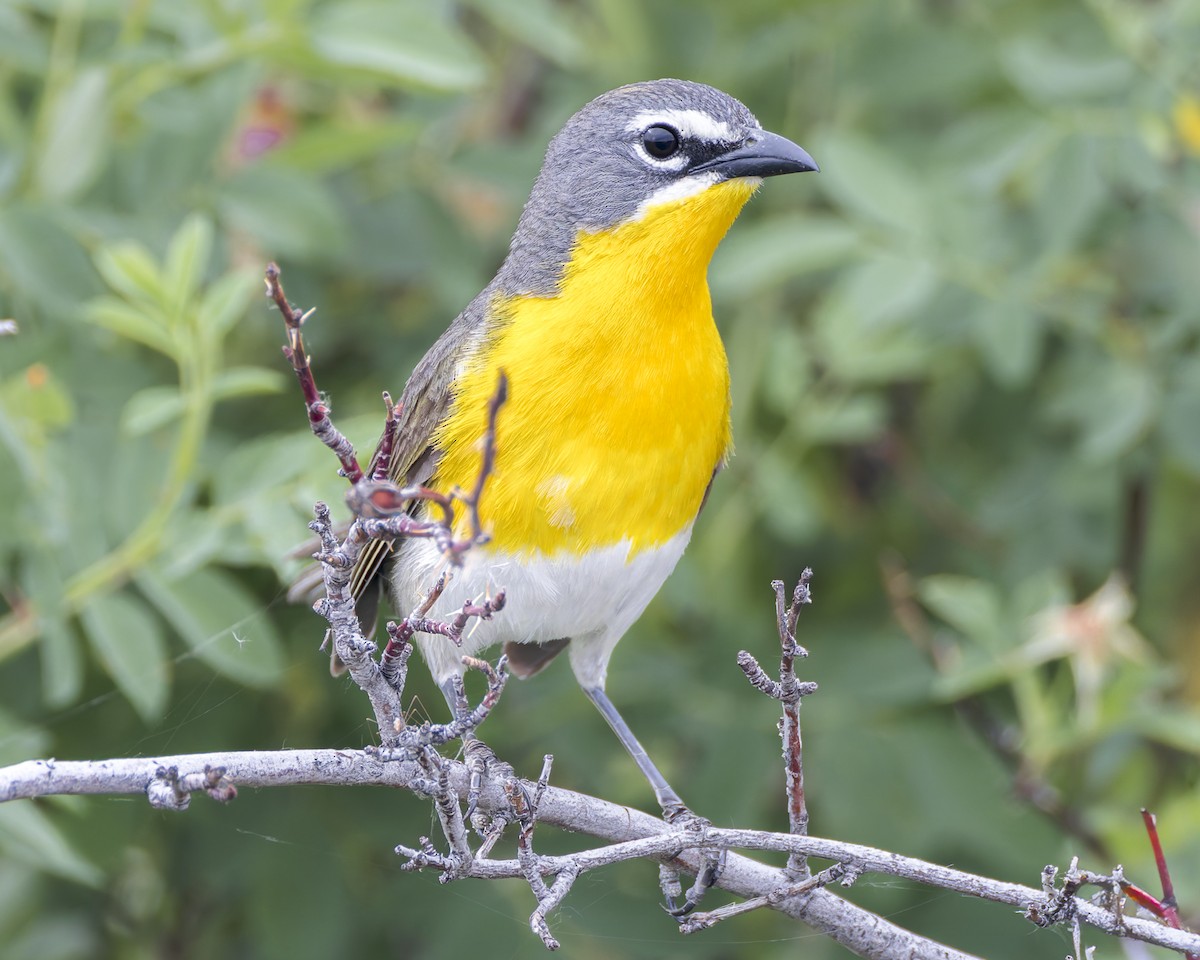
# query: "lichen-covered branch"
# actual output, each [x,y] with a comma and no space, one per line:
[629,834]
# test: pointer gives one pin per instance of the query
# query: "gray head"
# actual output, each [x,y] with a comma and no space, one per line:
[627,149]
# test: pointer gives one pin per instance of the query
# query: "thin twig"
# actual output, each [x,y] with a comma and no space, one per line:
[318,409]
[382,515]
[445,801]
[1166,909]
[843,873]
[381,462]
[789,691]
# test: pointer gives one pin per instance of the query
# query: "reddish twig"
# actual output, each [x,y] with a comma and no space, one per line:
[1166,909]
[383,512]
[381,462]
[395,655]
[453,629]
[380,504]
[1164,874]
[318,410]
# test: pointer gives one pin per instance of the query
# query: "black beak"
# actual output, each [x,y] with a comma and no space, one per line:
[762,154]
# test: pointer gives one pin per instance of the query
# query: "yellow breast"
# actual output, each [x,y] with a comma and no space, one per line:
[619,389]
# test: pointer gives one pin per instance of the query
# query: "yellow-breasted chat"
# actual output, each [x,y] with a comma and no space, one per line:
[618,413]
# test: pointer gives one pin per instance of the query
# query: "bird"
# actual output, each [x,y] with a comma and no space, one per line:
[618,412]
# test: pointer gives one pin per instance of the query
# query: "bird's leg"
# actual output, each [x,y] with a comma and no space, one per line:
[477,754]
[673,808]
[675,811]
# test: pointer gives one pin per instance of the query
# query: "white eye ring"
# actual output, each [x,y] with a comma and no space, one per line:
[660,141]
[674,162]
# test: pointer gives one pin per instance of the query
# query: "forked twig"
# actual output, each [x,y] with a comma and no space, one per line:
[789,691]
[318,410]
[1166,909]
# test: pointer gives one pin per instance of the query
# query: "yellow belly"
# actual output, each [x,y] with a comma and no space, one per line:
[619,390]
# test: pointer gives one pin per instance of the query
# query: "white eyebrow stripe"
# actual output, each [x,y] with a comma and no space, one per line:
[690,123]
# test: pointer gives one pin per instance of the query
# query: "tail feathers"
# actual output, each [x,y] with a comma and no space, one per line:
[526,659]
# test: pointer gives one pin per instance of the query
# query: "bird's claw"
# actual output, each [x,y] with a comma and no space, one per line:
[710,873]
[480,760]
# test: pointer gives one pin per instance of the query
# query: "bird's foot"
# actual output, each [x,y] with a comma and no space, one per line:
[679,816]
[481,761]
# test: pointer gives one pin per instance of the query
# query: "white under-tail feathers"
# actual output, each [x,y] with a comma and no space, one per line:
[593,599]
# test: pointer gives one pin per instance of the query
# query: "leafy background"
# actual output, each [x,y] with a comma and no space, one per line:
[966,387]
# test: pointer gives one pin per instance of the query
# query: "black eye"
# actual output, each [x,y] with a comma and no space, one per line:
[660,141]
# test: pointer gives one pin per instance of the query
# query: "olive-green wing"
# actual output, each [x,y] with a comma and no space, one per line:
[426,401]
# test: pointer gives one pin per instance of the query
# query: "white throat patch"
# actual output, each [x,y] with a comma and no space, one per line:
[679,189]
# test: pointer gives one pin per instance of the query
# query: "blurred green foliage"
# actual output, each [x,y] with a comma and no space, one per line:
[967,391]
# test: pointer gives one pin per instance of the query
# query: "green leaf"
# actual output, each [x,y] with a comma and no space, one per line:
[1112,401]
[30,837]
[538,24]
[155,407]
[142,326]
[20,740]
[887,290]
[225,301]
[989,148]
[341,142]
[259,467]
[971,606]
[40,260]
[1039,591]
[187,259]
[130,270]
[197,538]
[77,137]
[975,673]
[404,40]
[150,409]
[1175,727]
[128,642]
[790,506]
[871,184]
[247,382]
[289,214]
[38,402]
[22,46]
[1047,73]
[786,376]
[1181,415]
[61,658]
[1123,415]
[761,255]
[858,418]
[222,624]
[1071,194]
[860,326]
[1008,337]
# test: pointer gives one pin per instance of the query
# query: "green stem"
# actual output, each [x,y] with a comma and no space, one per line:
[21,627]
[146,539]
[63,44]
